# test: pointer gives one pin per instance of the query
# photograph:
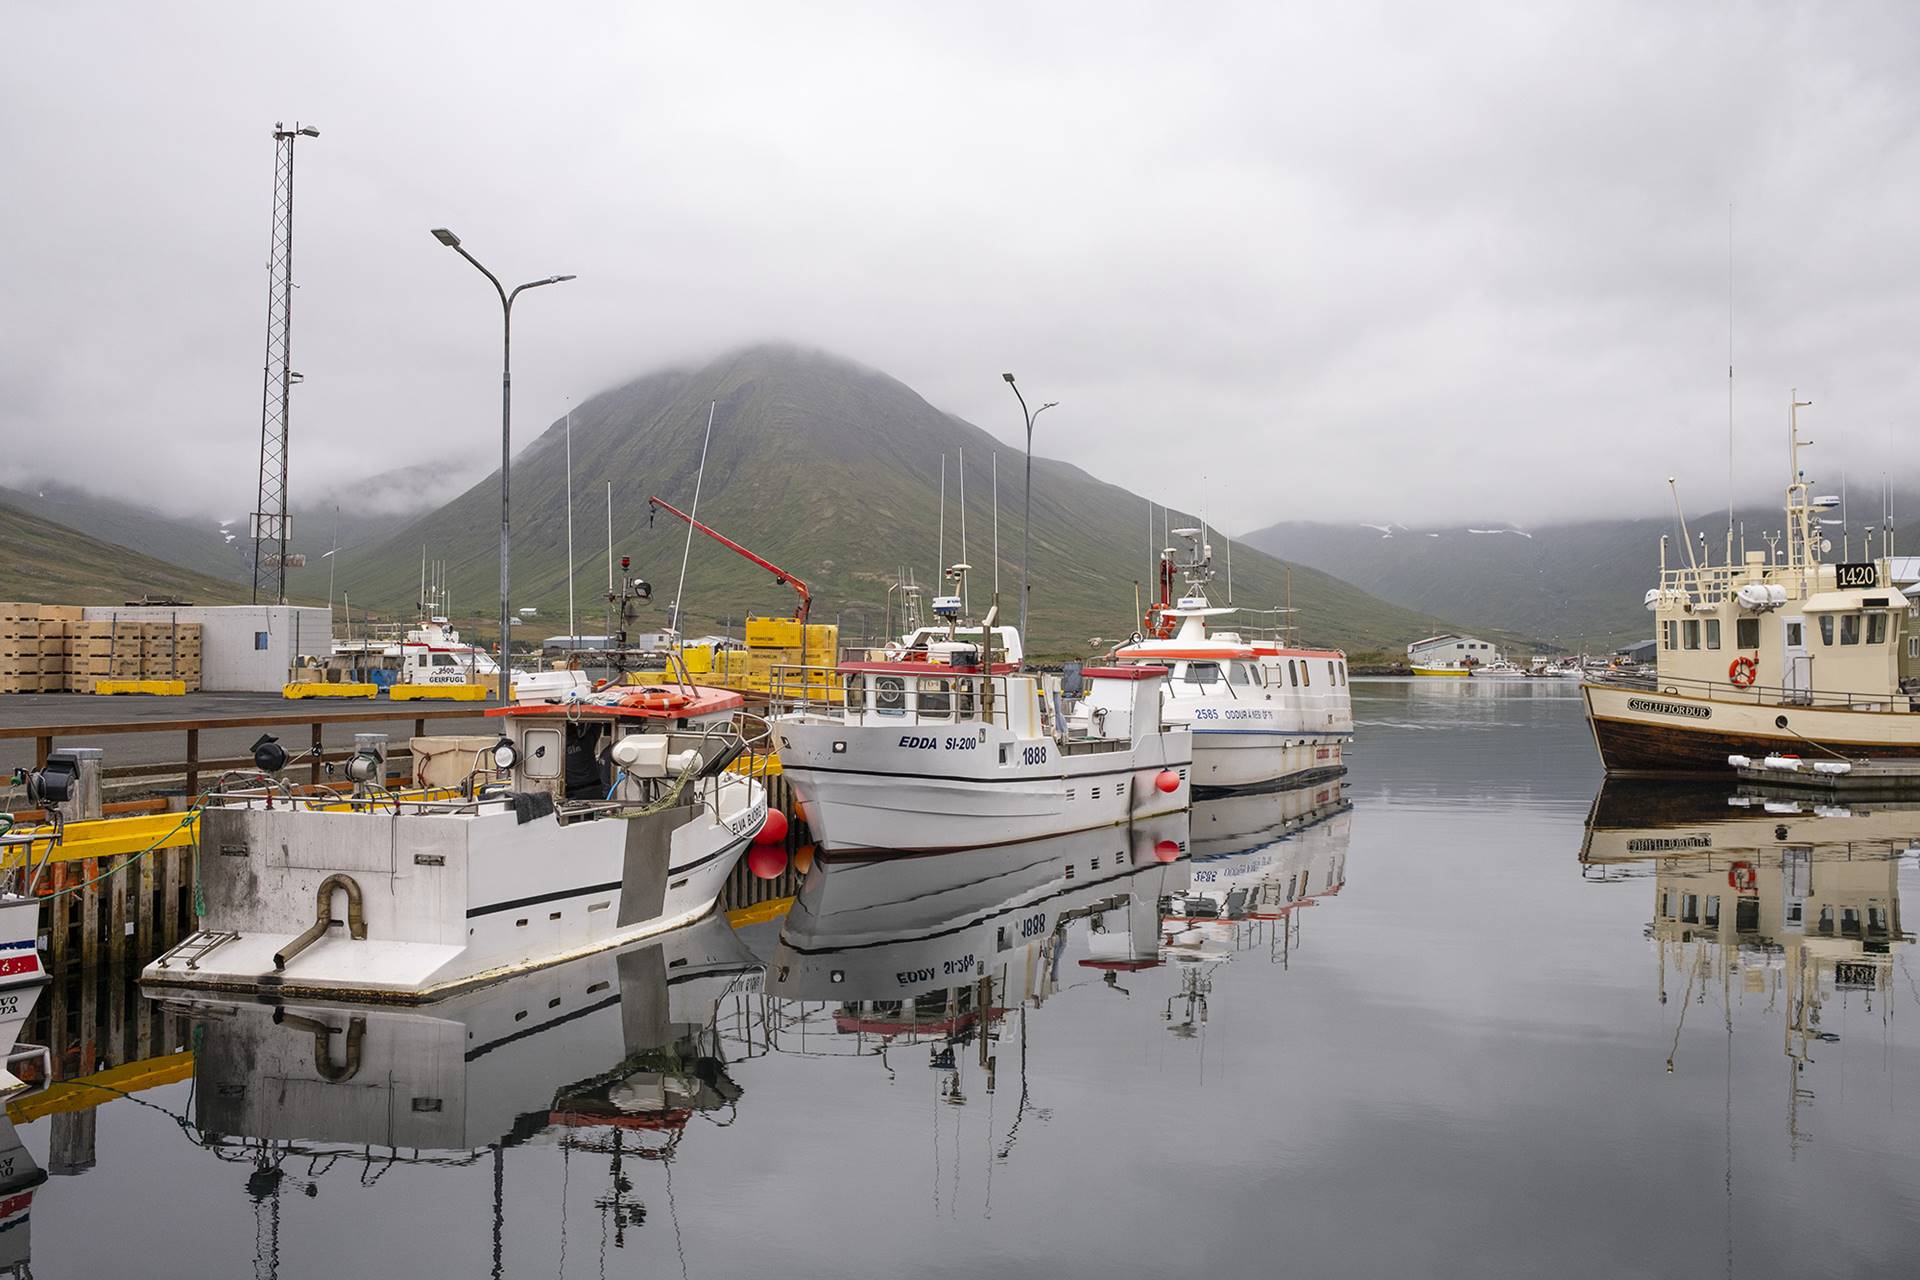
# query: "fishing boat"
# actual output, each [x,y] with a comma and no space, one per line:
[587,826]
[1262,856]
[1260,712]
[1774,652]
[945,749]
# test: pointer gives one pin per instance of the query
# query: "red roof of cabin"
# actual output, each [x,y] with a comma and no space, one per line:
[1123,673]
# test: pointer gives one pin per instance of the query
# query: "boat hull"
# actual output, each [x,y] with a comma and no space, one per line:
[1458,672]
[1238,759]
[1642,733]
[881,793]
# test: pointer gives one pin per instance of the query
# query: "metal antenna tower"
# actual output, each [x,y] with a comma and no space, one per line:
[270,524]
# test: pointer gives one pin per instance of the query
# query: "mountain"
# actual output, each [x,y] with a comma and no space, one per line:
[365,511]
[832,471]
[51,563]
[1577,584]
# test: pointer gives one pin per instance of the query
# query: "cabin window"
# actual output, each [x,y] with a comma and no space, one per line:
[1913,646]
[890,695]
[1713,633]
[1666,634]
[1849,628]
[1712,920]
[1203,673]
[1258,677]
[1293,674]
[1794,640]
[444,660]
[936,699]
[1876,628]
[1343,675]
[1331,677]
[856,693]
[1306,673]
[963,698]
[1746,633]
[1690,633]
[1826,628]
[422,661]
[1236,673]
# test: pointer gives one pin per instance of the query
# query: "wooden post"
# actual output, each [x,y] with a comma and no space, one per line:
[143,913]
[193,763]
[170,899]
[89,914]
[42,748]
[420,727]
[59,909]
[119,889]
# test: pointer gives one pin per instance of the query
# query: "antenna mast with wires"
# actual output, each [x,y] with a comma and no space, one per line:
[270,525]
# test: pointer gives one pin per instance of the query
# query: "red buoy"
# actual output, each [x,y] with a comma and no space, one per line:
[773,830]
[1167,780]
[767,862]
[1167,850]
[803,859]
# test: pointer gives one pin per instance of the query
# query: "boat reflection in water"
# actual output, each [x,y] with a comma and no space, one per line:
[1792,902]
[20,1175]
[1259,858]
[895,949]
[613,1053]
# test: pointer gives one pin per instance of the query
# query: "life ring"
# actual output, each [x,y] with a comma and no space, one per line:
[1742,671]
[656,700]
[1740,876]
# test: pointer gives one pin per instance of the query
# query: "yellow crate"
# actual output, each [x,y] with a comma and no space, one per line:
[159,688]
[320,689]
[440,692]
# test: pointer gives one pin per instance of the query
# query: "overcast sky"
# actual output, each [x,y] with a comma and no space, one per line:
[1333,262]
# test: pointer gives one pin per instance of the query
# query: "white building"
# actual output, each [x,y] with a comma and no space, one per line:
[1451,651]
[242,647]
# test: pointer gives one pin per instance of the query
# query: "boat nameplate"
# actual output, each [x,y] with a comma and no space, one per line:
[233,850]
[1661,707]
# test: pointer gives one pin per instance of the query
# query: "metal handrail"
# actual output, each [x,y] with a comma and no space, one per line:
[781,699]
[1893,701]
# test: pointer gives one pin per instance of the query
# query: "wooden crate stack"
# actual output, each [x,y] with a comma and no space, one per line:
[91,647]
[171,651]
[33,646]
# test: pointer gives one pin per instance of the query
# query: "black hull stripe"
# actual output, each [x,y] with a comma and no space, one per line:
[558,894]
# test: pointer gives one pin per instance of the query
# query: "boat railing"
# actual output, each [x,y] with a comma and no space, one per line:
[1767,695]
[983,699]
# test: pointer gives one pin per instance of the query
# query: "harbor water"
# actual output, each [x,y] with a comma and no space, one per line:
[1468,1015]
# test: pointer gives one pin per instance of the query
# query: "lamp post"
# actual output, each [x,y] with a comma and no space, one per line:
[1026,520]
[452,242]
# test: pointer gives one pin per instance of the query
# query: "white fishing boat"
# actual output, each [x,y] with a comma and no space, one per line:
[1260,712]
[1774,652]
[1499,669]
[1262,855]
[613,819]
[949,751]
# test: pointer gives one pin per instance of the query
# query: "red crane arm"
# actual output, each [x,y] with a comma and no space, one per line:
[780,575]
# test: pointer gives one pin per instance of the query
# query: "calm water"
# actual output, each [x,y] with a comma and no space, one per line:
[1451,1032]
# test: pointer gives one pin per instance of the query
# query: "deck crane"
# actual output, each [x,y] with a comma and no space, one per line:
[780,575]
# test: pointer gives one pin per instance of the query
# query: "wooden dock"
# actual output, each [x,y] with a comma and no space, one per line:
[1883,779]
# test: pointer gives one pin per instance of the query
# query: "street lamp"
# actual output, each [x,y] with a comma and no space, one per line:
[452,242]
[1026,520]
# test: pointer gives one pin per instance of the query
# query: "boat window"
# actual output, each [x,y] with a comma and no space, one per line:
[1293,674]
[1746,633]
[1203,673]
[1666,633]
[856,693]
[890,695]
[1343,675]
[963,698]
[1259,677]
[1849,628]
[936,699]
[1876,628]
[1306,673]
[1713,911]
[1794,639]
[1826,628]
[444,660]
[1690,633]
[1236,673]
[1713,633]
[1913,646]
[1331,677]
[422,661]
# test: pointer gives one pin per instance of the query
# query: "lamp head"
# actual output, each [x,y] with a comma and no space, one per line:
[308,131]
[446,237]
[1007,376]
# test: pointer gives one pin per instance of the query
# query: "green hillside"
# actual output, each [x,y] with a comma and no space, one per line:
[832,471]
[50,563]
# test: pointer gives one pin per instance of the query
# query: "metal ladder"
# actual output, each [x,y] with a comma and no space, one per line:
[195,948]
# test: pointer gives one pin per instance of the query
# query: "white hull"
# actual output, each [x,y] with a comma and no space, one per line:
[879,793]
[450,899]
[1233,759]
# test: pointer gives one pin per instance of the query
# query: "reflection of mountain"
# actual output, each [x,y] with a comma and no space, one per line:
[613,1053]
[1794,903]
[1260,858]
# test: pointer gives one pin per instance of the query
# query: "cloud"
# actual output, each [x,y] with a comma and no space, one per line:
[1354,262]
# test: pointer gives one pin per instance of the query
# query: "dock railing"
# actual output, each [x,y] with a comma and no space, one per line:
[938,697]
